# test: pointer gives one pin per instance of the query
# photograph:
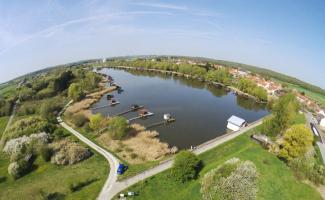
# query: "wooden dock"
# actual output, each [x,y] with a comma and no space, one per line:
[110,105]
[165,122]
[127,111]
[139,117]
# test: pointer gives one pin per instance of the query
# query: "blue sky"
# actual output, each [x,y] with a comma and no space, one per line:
[287,36]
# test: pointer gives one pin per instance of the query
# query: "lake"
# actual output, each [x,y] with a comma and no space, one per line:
[201,110]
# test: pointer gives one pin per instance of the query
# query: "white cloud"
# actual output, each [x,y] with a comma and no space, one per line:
[161,5]
[12,41]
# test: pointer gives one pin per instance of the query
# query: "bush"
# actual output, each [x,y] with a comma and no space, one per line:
[232,180]
[3,179]
[76,92]
[118,127]
[59,134]
[49,109]
[79,120]
[28,126]
[305,168]
[133,155]
[97,122]
[20,168]
[296,141]
[45,93]
[66,152]
[79,185]
[186,166]
[46,153]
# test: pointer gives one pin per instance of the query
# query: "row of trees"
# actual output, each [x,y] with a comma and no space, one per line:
[250,87]
[5,106]
[206,72]
[284,111]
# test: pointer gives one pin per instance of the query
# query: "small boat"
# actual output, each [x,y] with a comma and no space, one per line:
[114,102]
[109,96]
[135,106]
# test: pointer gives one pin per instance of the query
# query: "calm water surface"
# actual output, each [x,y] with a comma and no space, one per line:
[201,110]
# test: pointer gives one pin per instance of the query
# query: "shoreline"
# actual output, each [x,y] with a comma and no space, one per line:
[172,73]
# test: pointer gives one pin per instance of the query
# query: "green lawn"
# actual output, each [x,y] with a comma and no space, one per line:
[51,178]
[276,181]
[7,90]
[3,124]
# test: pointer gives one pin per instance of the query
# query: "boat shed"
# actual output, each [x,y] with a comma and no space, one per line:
[235,123]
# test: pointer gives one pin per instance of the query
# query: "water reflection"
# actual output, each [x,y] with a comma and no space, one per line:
[201,110]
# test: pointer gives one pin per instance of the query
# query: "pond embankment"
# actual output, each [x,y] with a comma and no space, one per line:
[188,76]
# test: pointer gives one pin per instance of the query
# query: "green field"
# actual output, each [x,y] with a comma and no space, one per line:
[7,90]
[313,95]
[48,178]
[51,178]
[276,181]
[3,124]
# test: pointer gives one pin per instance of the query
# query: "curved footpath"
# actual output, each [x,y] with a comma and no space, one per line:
[113,161]
[112,187]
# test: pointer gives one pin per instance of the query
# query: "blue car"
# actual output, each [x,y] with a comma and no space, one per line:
[121,169]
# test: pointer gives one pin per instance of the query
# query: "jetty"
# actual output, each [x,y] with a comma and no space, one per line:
[142,114]
[133,108]
[113,103]
[160,123]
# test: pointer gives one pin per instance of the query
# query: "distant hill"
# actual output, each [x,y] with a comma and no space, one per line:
[254,69]
[264,72]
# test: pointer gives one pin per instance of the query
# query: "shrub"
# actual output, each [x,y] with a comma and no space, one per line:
[46,153]
[59,134]
[133,155]
[49,110]
[296,141]
[66,152]
[97,122]
[21,167]
[118,127]
[28,126]
[79,185]
[76,92]
[79,120]
[3,179]
[186,166]
[232,180]
[45,93]
[17,145]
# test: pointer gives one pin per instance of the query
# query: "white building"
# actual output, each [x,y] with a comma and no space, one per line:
[235,123]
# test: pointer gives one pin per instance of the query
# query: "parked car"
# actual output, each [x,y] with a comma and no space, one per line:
[121,169]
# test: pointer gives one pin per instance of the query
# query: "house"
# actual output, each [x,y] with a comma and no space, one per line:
[235,123]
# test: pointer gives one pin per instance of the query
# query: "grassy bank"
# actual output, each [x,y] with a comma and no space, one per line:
[49,178]
[3,124]
[276,180]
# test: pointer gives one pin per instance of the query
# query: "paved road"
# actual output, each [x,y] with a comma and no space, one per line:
[320,144]
[112,187]
[105,193]
[121,185]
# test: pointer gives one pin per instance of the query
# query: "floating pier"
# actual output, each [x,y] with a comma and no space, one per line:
[113,103]
[133,108]
[141,116]
[165,122]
